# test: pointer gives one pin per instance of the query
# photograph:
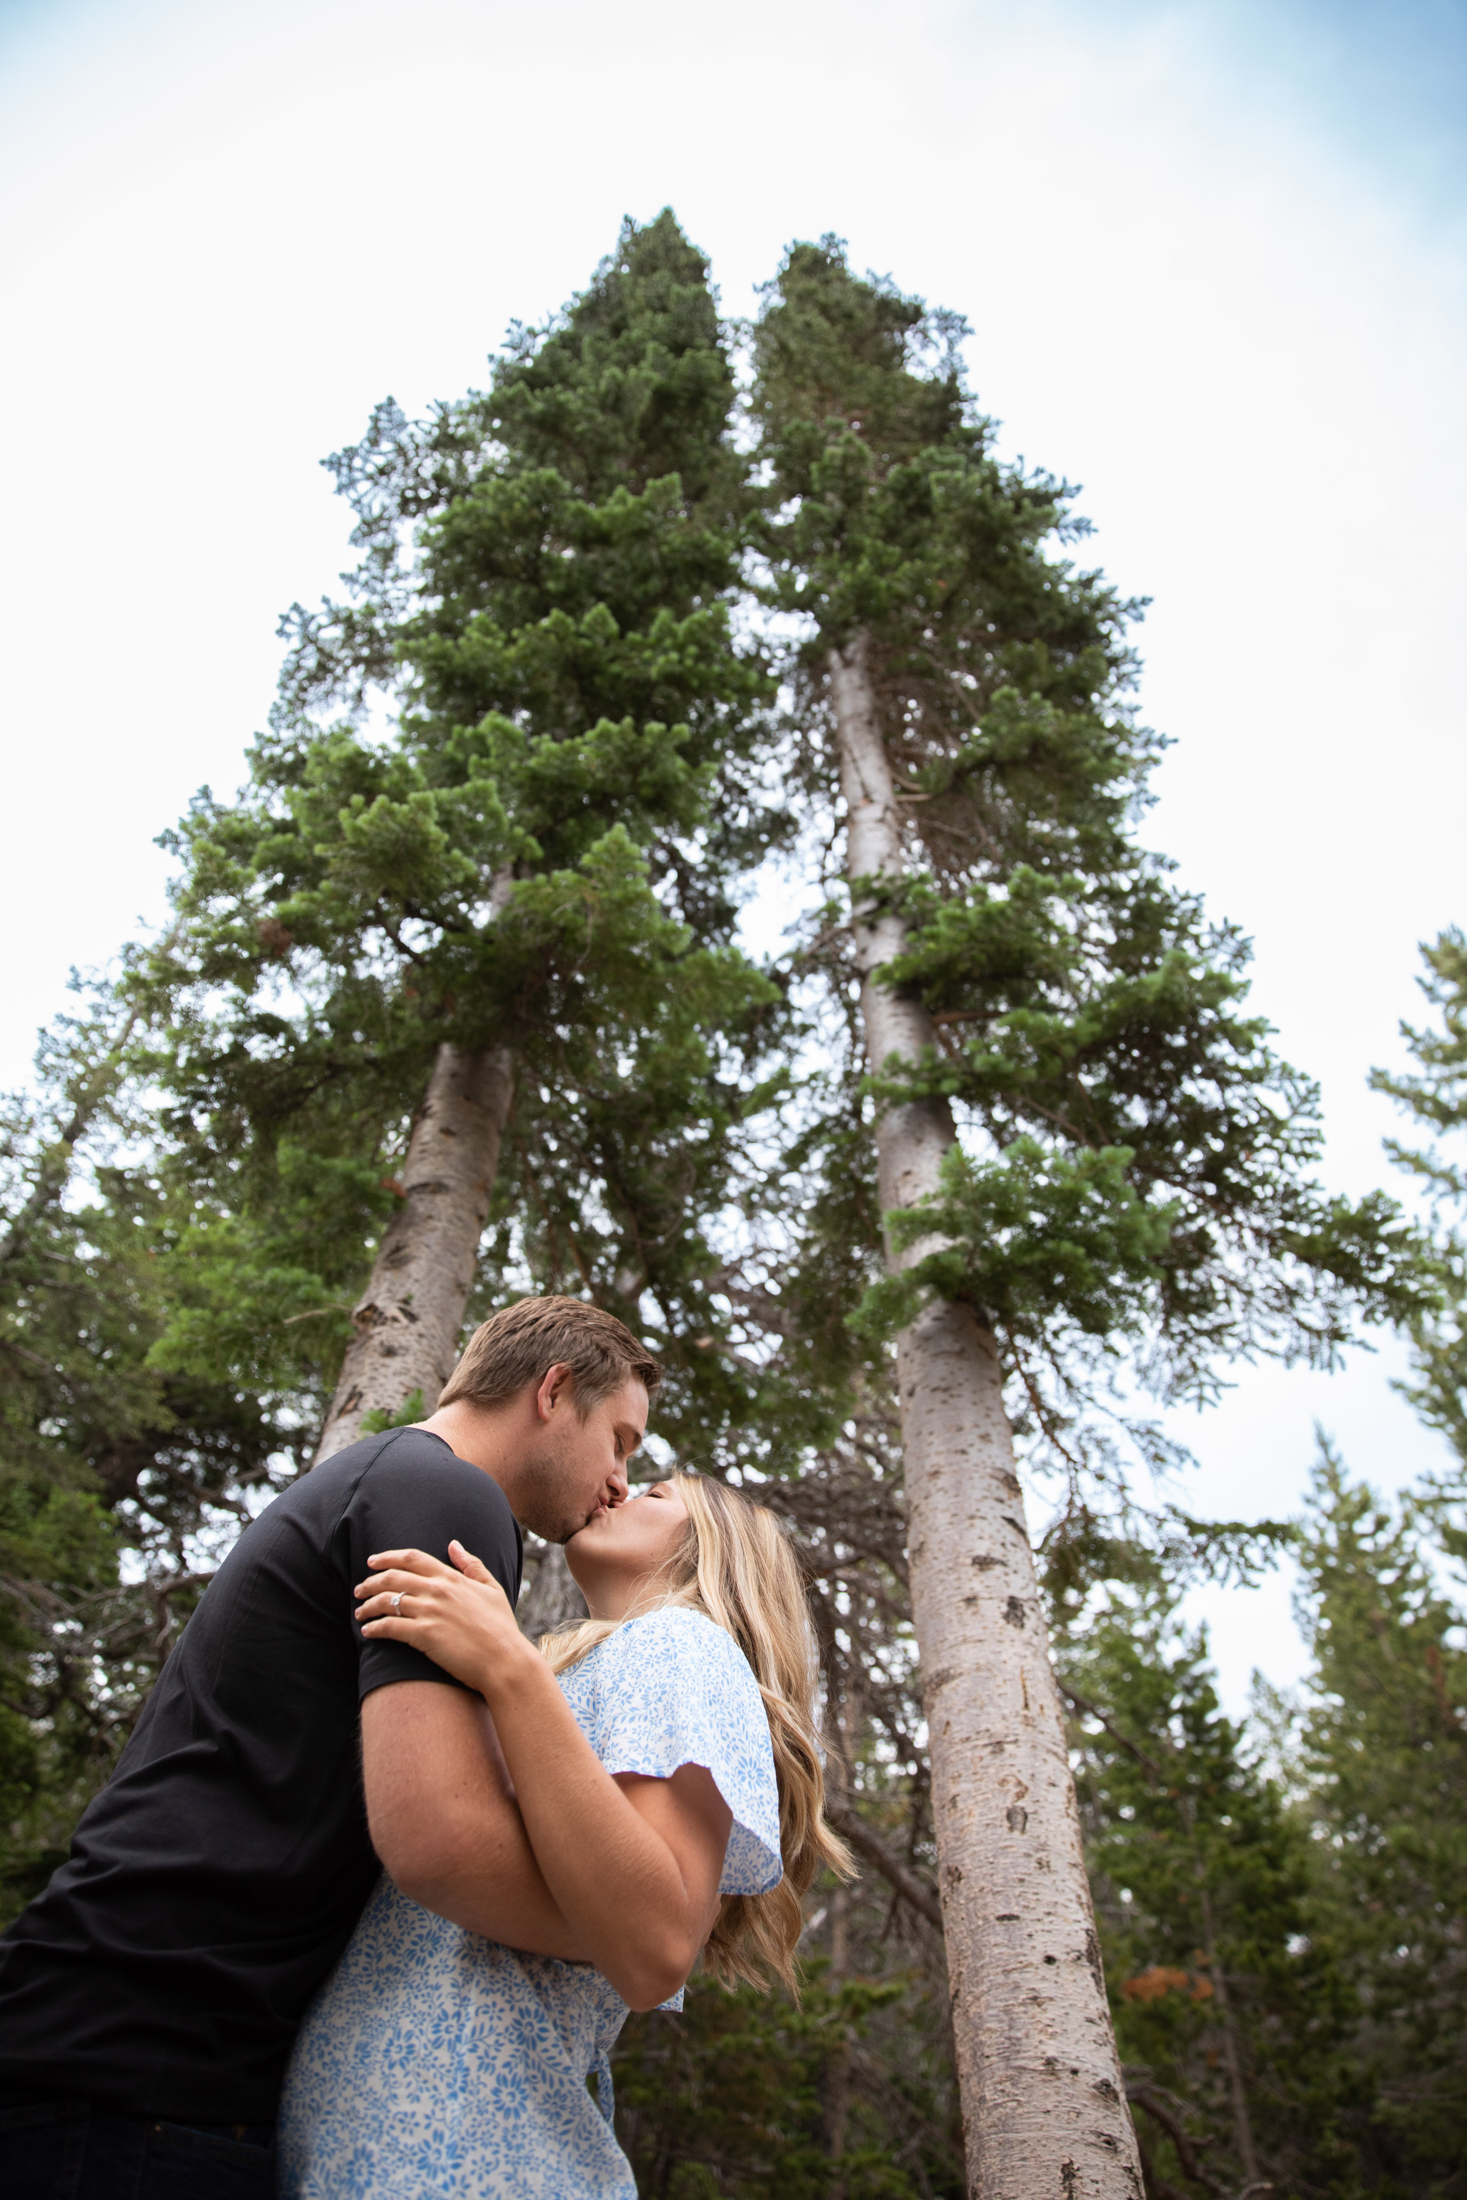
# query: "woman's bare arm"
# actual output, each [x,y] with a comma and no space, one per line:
[631,1864]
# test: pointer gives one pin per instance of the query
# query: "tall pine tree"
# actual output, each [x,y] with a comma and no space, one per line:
[1385,1752]
[119,1483]
[1231,2016]
[487,954]
[1434,1096]
[1134,1162]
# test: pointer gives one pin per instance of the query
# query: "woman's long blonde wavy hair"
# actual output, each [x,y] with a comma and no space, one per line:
[737,1566]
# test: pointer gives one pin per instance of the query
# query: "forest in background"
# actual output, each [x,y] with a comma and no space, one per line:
[522,787]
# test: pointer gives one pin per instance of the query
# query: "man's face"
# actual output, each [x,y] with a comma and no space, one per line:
[579,1468]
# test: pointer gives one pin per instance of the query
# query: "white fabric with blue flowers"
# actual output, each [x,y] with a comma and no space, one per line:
[433,2063]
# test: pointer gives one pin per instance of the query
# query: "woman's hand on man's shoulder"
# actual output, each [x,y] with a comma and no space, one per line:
[457,1615]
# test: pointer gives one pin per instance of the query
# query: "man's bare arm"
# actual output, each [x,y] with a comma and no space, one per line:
[443,1819]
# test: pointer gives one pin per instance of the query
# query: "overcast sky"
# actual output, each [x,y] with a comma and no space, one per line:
[1213,259]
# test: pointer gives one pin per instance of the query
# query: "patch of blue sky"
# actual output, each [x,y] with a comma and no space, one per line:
[1387,79]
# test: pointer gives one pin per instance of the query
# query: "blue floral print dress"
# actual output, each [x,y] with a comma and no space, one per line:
[434,2063]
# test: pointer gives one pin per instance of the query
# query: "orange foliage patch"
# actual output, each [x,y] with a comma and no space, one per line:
[1159,1980]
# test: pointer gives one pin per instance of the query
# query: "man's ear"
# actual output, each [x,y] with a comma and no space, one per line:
[552,1389]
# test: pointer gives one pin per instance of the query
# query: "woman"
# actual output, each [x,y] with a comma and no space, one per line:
[664,1759]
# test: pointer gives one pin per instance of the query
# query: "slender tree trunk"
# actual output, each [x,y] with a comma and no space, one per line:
[835,2077]
[409,1317]
[552,1600]
[1232,2049]
[1043,2112]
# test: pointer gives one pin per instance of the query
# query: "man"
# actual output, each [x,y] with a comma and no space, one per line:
[149,1998]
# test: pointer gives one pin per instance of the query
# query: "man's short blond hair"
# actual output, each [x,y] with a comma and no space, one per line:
[521,1343]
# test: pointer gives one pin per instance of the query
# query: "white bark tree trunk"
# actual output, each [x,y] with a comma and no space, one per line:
[1044,2115]
[551,1601]
[409,1317]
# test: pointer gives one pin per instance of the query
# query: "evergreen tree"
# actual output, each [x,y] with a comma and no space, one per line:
[733,2096]
[522,891]
[1385,1733]
[103,1458]
[1137,1172]
[1435,1094]
[1232,2017]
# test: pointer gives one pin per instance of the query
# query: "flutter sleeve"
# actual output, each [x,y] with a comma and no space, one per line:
[673,1689]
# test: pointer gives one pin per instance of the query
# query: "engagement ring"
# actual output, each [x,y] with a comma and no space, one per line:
[397,1600]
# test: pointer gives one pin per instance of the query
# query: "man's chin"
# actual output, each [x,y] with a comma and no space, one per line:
[552,1529]
[565,1531]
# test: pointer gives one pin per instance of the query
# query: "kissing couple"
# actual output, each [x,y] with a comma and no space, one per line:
[376,1880]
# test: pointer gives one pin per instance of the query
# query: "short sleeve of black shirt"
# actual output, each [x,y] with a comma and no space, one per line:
[216,1879]
[419,1496]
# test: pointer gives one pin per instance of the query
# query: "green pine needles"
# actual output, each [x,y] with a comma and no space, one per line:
[558,599]
[1136,1171]
[541,854]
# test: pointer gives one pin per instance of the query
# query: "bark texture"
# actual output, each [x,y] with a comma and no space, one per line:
[409,1317]
[1043,2111]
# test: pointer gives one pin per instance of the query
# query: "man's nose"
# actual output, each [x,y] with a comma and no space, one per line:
[616,1485]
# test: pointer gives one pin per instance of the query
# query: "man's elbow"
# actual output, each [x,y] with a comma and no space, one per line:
[429,1889]
[426,1862]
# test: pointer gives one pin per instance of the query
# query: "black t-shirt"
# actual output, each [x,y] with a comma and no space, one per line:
[216,1879]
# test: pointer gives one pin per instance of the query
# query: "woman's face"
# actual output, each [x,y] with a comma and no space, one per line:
[617,1550]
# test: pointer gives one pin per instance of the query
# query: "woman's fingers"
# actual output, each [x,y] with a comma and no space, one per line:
[412,1602]
[392,1576]
[459,1617]
[388,1584]
[403,1594]
[429,1594]
[404,1577]
[397,1604]
[413,1562]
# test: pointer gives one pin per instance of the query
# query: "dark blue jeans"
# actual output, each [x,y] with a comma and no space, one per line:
[70,2150]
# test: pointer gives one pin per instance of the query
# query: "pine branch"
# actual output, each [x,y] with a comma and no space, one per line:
[55,1163]
[1140,2096]
[1089,1710]
[875,1851]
